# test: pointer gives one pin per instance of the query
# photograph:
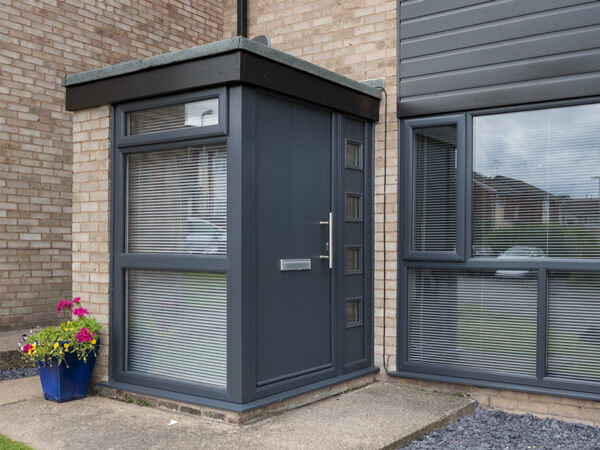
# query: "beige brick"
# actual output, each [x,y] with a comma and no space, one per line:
[38,136]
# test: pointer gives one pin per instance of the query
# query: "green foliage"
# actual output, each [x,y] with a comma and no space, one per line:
[552,238]
[128,400]
[9,444]
[142,402]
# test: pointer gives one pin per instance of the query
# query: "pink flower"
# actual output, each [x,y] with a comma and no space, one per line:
[76,299]
[27,347]
[63,304]
[80,312]
[85,335]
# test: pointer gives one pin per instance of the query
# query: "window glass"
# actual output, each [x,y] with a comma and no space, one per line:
[202,113]
[352,312]
[536,183]
[434,189]
[177,201]
[352,259]
[574,325]
[352,207]
[353,157]
[485,320]
[177,325]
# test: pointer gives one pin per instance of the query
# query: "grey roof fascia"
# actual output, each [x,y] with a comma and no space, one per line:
[216,48]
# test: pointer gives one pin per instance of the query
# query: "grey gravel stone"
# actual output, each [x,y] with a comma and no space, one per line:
[499,430]
[11,374]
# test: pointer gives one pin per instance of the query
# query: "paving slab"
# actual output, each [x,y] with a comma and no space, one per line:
[380,415]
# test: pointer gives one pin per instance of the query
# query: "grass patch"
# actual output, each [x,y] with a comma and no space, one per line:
[142,402]
[9,444]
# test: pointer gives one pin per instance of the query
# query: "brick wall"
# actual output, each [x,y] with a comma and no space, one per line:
[356,38]
[91,219]
[39,42]
[545,406]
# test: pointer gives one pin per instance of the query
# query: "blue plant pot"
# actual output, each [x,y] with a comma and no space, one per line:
[61,383]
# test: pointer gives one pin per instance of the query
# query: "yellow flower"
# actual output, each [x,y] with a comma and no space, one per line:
[93,341]
[68,322]
[34,345]
[55,345]
[30,351]
[66,347]
[72,329]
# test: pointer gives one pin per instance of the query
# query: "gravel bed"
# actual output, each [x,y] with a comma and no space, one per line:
[11,374]
[499,430]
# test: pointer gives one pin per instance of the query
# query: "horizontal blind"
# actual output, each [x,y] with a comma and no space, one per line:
[574,325]
[473,319]
[177,201]
[196,114]
[536,182]
[434,190]
[177,325]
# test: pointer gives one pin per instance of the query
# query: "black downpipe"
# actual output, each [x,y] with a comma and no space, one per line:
[242,18]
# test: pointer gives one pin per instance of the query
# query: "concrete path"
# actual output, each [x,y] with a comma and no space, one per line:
[381,415]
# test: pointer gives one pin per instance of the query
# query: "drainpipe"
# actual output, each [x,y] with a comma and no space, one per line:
[242,18]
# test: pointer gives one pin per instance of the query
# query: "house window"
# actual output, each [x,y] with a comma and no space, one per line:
[170,242]
[500,253]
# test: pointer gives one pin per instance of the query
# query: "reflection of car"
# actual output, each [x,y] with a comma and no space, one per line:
[518,252]
[205,237]
[482,250]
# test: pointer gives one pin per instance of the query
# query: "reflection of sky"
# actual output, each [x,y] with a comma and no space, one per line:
[557,150]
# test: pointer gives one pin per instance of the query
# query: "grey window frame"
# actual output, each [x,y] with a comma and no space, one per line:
[220,129]
[121,260]
[359,322]
[406,175]
[541,383]
[358,196]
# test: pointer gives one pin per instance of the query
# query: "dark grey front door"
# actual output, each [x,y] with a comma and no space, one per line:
[294,331]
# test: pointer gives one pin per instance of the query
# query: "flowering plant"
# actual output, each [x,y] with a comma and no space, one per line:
[53,343]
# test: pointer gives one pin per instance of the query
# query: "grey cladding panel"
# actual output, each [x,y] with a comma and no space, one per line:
[457,55]
[517,27]
[515,71]
[551,44]
[480,14]
[419,8]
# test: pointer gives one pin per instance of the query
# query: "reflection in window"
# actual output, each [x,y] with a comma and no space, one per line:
[353,155]
[485,320]
[352,259]
[202,113]
[177,201]
[434,190]
[536,183]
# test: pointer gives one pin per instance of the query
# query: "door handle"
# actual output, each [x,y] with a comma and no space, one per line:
[329,256]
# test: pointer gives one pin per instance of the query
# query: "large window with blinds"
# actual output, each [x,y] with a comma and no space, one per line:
[171,243]
[518,301]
